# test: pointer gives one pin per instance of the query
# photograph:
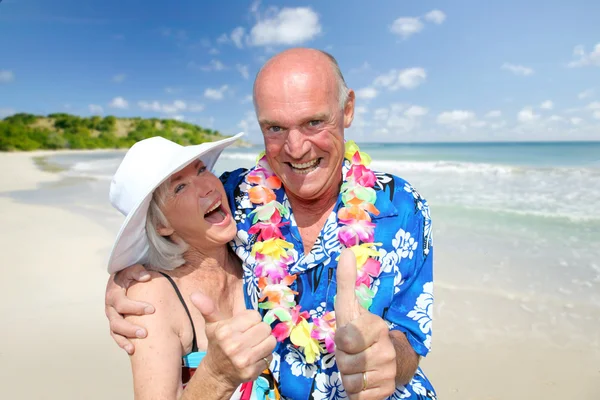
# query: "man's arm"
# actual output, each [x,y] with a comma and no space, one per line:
[407,360]
[117,305]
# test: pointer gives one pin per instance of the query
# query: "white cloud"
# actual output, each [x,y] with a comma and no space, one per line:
[576,120]
[213,51]
[223,39]
[585,59]
[119,78]
[96,109]
[119,102]
[380,114]
[247,99]
[6,76]
[557,118]
[172,90]
[363,68]
[406,26]
[435,16]
[178,34]
[494,114]
[7,112]
[408,78]
[527,115]
[215,65]
[478,124]
[547,105]
[243,69]
[517,69]
[366,93]
[288,27]
[216,94]
[175,107]
[237,35]
[586,93]
[455,117]
[416,111]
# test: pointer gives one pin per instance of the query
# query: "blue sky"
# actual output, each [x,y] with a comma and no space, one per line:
[424,71]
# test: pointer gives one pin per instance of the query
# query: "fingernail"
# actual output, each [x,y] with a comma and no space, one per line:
[149,309]
[129,349]
[144,275]
[140,333]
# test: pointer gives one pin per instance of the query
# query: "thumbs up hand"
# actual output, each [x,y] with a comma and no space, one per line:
[364,352]
[240,347]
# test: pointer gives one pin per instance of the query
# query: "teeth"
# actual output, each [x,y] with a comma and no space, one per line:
[305,165]
[213,208]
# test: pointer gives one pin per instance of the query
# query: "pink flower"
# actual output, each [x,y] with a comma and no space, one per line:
[324,329]
[369,269]
[356,231]
[268,229]
[362,175]
[282,330]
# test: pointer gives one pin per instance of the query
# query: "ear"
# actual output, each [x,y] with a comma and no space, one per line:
[163,231]
[349,109]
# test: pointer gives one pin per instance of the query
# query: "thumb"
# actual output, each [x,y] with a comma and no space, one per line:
[207,307]
[346,305]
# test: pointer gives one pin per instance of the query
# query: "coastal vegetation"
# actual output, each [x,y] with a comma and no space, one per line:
[27,132]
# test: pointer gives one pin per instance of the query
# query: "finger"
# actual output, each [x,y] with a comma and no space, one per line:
[264,350]
[123,343]
[345,301]
[359,335]
[207,307]
[123,327]
[130,275]
[349,364]
[124,306]
[256,334]
[353,384]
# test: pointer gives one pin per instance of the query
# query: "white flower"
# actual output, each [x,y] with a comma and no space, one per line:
[400,393]
[274,367]
[329,387]
[422,311]
[298,363]
[319,311]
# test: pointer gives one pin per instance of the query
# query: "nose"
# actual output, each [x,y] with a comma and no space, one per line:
[204,186]
[295,144]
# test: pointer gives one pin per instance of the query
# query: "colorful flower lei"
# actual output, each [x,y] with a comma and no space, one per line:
[274,254]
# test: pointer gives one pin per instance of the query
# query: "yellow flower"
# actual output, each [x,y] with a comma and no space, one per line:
[275,248]
[352,148]
[363,251]
[300,336]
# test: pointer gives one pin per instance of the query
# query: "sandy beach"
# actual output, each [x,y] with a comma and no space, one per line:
[487,344]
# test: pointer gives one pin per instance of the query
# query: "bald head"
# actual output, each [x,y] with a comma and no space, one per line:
[293,64]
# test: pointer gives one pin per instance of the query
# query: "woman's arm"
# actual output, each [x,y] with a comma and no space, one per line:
[156,363]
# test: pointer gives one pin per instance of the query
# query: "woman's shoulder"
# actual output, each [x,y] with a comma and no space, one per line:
[157,288]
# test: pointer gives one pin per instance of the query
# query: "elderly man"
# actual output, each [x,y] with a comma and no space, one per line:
[303,106]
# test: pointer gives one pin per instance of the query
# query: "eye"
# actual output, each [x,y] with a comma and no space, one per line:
[179,187]
[274,129]
[315,122]
[201,169]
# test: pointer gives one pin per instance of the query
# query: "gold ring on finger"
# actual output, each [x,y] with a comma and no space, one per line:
[267,362]
[365,381]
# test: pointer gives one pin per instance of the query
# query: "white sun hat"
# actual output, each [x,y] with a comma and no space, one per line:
[148,164]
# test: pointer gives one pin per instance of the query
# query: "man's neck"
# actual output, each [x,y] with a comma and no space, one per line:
[311,215]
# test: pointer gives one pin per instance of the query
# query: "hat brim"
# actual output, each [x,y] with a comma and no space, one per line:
[131,244]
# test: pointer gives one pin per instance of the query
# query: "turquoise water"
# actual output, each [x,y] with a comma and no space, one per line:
[521,219]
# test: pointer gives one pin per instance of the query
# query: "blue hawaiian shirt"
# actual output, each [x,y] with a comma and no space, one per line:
[404,288]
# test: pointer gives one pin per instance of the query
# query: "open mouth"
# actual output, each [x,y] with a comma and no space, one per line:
[215,214]
[305,168]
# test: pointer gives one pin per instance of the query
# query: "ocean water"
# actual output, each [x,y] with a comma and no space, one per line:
[520,220]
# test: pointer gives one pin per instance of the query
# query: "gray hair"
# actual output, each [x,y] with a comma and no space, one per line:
[163,252]
[343,90]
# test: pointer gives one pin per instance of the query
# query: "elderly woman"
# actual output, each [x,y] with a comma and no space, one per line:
[178,224]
